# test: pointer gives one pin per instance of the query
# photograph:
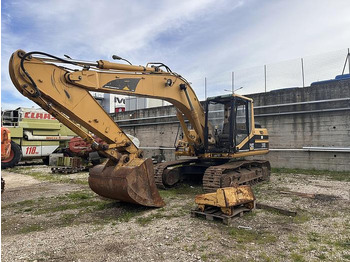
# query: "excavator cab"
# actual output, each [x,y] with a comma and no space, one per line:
[230,118]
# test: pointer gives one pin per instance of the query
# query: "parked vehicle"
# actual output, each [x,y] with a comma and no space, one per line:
[35,134]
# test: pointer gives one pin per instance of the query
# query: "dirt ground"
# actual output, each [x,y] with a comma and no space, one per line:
[47,217]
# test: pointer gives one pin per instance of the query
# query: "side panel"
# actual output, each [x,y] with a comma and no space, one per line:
[16,132]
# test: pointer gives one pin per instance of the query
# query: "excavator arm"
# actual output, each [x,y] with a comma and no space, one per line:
[61,89]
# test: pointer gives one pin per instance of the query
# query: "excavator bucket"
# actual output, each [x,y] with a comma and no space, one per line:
[133,183]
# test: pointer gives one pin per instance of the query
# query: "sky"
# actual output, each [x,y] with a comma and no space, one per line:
[197,39]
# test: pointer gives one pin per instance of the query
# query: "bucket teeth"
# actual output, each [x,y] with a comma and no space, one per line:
[133,183]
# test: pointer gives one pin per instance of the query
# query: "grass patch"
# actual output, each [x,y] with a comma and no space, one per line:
[301,218]
[293,239]
[321,256]
[131,211]
[334,175]
[313,237]
[31,228]
[143,221]
[67,219]
[79,195]
[20,204]
[249,236]
[264,257]
[48,176]
[346,257]
[127,216]
[344,243]
[181,190]
[69,206]
[297,257]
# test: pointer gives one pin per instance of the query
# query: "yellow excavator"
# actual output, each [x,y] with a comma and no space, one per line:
[214,142]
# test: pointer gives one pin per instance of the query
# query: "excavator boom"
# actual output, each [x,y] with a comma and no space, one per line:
[64,93]
[126,176]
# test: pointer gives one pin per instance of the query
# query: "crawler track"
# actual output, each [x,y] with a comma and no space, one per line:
[224,175]
[160,168]
[237,172]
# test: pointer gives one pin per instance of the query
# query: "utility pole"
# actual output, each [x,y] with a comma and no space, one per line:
[302,71]
[205,88]
[233,82]
[265,76]
[349,59]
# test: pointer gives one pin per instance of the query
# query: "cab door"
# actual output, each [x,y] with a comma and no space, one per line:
[241,120]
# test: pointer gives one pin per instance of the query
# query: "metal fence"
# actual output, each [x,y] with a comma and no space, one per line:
[298,72]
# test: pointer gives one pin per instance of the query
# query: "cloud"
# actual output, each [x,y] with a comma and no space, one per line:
[195,38]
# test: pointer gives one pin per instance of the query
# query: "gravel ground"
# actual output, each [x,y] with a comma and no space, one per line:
[48,217]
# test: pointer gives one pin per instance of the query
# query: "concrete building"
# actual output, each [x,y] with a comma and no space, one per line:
[111,103]
[119,103]
[137,103]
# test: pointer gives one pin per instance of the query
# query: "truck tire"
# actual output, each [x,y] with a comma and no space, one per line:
[15,157]
[2,185]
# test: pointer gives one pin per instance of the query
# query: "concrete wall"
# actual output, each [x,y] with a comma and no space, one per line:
[305,124]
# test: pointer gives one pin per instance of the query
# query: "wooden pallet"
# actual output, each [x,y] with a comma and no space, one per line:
[67,170]
[214,213]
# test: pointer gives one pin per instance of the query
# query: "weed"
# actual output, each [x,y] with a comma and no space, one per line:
[297,257]
[24,203]
[346,256]
[79,195]
[308,249]
[265,257]
[144,220]
[293,239]
[245,236]
[334,175]
[321,256]
[158,215]
[128,215]
[192,248]
[249,215]
[48,177]
[67,219]
[344,243]
[204,257]
[182,189]
[31,228]
[67,206]
[313,237]
[301,218]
